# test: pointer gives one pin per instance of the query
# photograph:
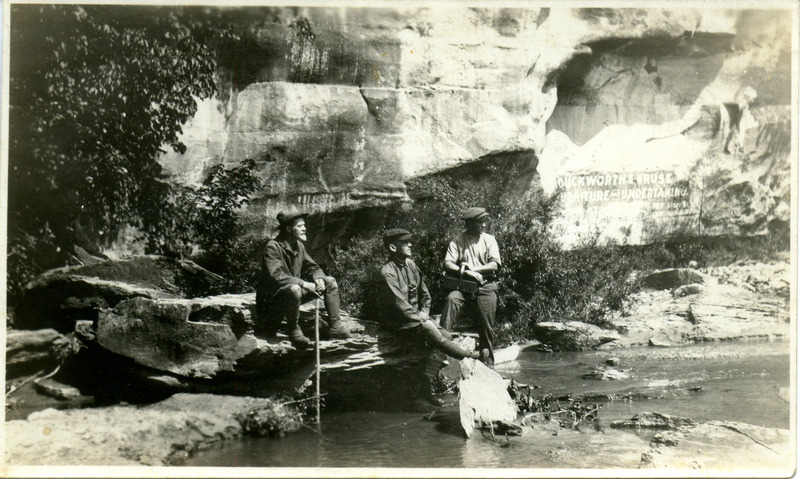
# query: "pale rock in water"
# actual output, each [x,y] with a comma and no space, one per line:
[483,396]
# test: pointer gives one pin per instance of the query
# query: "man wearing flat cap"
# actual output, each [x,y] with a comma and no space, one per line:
[406,304]
[288,277]
[473,258]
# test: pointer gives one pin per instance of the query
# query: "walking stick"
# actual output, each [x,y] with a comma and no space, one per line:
[316,350]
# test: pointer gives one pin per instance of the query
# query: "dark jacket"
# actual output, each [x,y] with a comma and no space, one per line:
[403,294]
[285,261]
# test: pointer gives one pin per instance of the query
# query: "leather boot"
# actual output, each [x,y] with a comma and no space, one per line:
[450,348]
[427,393]
[486,358]
[299,339]
[338,330]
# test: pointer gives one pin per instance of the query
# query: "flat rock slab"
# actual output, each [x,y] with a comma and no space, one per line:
[607,374]
[164,433]
[24,346]
[713,449]
[650,420]
[203,337]
[483,396]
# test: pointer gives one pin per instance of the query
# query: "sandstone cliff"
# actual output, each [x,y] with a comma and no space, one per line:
[340,106]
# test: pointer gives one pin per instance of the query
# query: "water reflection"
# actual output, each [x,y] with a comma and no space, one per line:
[740,382]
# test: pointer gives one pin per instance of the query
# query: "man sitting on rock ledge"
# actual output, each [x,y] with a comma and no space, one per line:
[472,259]
[405,305]
[282,287]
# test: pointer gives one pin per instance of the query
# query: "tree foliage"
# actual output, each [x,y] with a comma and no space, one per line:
[96,94]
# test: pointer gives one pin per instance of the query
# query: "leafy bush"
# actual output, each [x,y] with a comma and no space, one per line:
[202,223]
[95,94]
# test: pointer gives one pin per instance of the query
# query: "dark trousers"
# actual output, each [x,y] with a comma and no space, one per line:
[484,301]
[271,309]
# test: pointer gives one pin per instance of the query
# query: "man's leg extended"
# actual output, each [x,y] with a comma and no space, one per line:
[452,308]
[440,339]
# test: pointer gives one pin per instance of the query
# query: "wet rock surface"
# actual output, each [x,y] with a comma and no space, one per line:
[55,389]
[607,374]
[652,421]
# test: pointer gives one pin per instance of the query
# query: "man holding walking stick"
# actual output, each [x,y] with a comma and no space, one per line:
[283,285]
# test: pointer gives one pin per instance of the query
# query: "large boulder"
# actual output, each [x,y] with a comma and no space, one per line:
[59,298]
[573,335]
[206,337]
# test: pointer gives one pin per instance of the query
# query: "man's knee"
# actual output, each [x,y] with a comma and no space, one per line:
[331,284]
[455,297]
[446,334]
[294,292]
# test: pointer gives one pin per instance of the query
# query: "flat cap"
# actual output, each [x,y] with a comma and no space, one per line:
[474,213]
[396,234]
[287,217]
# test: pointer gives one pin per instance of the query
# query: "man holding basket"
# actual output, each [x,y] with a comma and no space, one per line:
[470,267]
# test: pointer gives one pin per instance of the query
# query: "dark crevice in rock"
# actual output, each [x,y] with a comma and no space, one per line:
[688,44]
[522,163]
[571,77]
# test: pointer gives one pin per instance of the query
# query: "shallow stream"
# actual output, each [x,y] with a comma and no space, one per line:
[735,381]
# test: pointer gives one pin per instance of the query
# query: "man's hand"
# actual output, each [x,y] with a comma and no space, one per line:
[311,287]
[475,275]
[320,284]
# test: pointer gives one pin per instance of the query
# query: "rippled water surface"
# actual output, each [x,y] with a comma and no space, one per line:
[747,382]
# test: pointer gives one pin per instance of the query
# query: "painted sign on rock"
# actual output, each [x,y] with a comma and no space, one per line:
[660,189]
[627,206]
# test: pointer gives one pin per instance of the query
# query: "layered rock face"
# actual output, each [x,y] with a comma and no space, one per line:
[340,106]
